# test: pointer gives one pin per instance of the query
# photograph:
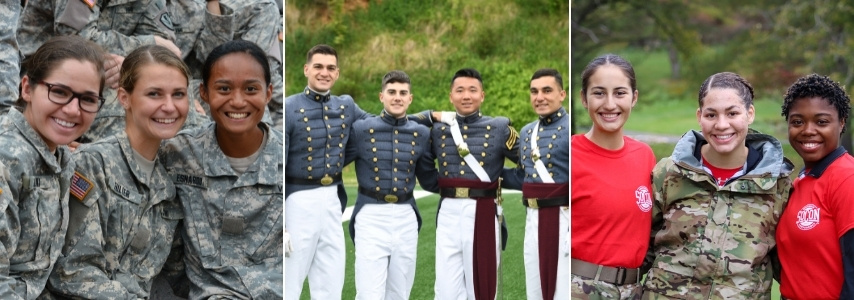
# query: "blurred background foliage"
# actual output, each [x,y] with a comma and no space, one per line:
[506,40]
[679,43]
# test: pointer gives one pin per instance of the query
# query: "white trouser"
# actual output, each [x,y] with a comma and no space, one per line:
[454,247]
[532,256]
[313,219]
[386,245]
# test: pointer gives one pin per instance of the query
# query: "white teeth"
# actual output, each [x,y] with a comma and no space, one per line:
[237,115]
[165,121]
[610,115]
[723,137]
[810,145]
[64,123]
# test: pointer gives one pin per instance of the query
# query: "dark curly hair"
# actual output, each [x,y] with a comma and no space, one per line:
[821,86]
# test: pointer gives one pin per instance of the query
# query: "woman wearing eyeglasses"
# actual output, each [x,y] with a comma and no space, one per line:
[123,207]
[60,94]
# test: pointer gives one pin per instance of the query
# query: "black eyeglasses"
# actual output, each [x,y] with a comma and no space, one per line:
[62,95]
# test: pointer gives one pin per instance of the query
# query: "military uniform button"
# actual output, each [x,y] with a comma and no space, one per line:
[343,125]
[483,154]
[443,154]
[326,118]
[486,135]
[342,106]
[550,165]
[308,129]
[305,119]
[465,127]
[309,149]
[374,149]
[373,140]
[481,164]
[415,134]
[443,136]
[395,179]
[485,145]
[446,173]
[309,168]
[413,143]
[443,145]
[342,117]
[376,169]
[309,158]
[462,163]
[378,189]
[371,131]
[443,129]
[395,141]
[395,151]
[302,110]
[465,136]
[535,175]
[394,189]
[377,178]
[548,155]
[413,152]
[309,139]
[462,172]
[488,127]
[444,164]
[410,162]
[340,145]
[326,108]
[550,146]
[554,136]
[375,159]
[395,131]
[309,177]
[395,169]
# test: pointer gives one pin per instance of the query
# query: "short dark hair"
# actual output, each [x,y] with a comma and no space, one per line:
[58,49]
[607,59]
[727,80]
[236,46]
[467,72]
[396,76]
[820,86]
[549,72]
[321,49]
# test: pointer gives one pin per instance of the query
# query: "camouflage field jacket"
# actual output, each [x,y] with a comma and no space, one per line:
[711,241]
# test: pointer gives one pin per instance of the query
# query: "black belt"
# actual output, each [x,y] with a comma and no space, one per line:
[325,180]
[464,192]
[385,198]
[545,202]
[618,276]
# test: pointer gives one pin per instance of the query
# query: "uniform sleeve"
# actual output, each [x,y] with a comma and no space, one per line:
[75,17]
[425,170]
[659,173]
[351,152]
[511,145]
[10,11]
[424,118]
[8,236]
[82,269]
[174,270]
[513,177]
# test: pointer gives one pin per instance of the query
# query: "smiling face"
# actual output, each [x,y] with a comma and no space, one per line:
[609,99]
[814,129]
[724,120]
[396,99]
[466,95]
[60,124]
[546,95]
[322,72]
[237,94]
[157,106]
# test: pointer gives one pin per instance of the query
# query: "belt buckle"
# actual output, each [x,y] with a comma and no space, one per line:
[461,192]
[326,180]
[620,277]
[390,198]
[532,202]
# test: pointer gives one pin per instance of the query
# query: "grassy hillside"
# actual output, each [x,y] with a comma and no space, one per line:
[506,40]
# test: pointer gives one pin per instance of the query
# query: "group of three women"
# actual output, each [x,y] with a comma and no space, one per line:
[722,209]
[100,222]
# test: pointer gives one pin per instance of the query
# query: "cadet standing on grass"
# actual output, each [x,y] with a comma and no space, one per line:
[470,149]
[60,95]
[386,149]
[543,176]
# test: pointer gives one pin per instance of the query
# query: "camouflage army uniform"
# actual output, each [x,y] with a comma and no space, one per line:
[551,201]
[10,65]
[385,150]
[122,224]
[232,229]
[462,236]
[34,201]
[710,241]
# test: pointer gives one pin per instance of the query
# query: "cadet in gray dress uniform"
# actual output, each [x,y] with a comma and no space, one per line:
[316,132]
[385,149]
[543,176]
[471,152]
[228,176]
[60,98]
[122,225]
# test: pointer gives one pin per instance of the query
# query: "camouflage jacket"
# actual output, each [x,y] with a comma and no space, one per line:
[233,222]
[34,203]
[10,11]
[710,241]
[121,226]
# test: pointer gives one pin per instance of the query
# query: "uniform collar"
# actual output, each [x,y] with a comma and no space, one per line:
[553,117]
[54,160]
[474,117]
[391,120]
[825,162]
[315,96]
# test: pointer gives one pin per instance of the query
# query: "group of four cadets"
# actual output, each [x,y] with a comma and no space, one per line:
[324,132]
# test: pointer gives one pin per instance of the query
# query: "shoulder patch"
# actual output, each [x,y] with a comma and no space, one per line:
[80,186]
[511,138]
[166,20]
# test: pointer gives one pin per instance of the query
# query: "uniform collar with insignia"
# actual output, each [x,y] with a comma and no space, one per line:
[553,117]
[391,120]
[474,117]
[315,96]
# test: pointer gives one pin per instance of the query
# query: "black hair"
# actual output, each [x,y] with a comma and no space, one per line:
[727,80]
[606,59]
[820,86]
[321,49]
[549,72]
[396,76]
[467,72]
[236,46]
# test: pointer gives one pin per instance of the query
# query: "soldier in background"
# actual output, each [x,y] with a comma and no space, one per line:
[471,149]
[718,199]
[385,149]
[543,176]
[10,67]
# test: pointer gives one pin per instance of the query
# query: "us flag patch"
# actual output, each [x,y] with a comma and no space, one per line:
[80,186]
[90,3]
